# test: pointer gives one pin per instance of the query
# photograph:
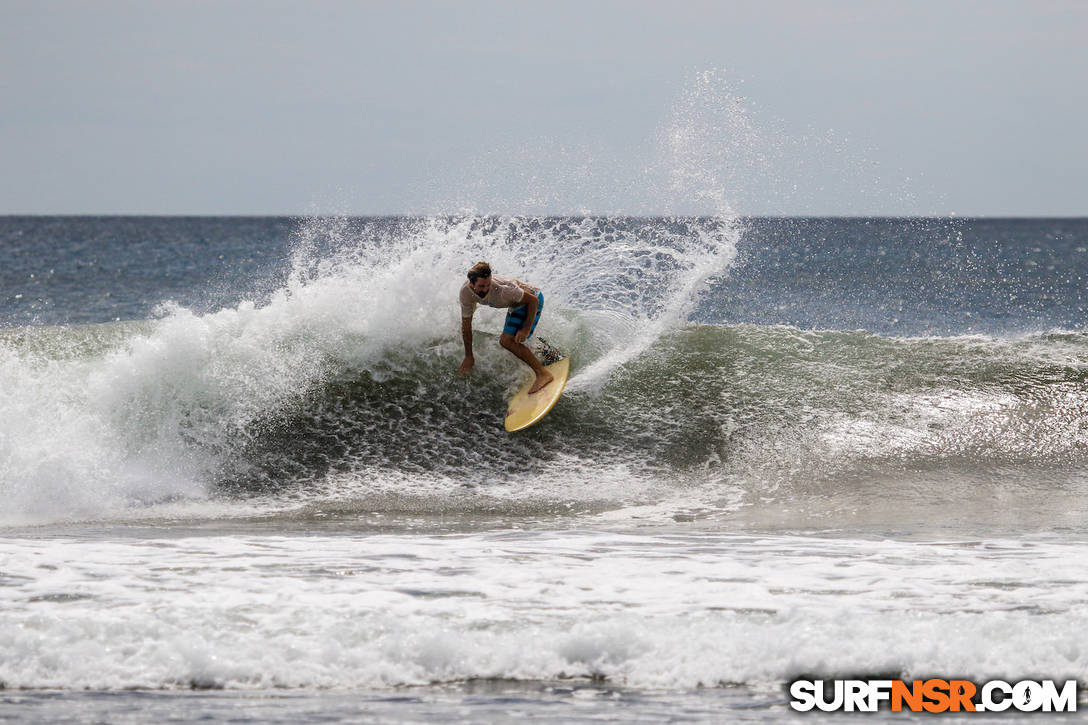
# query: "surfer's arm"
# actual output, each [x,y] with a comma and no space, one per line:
[533,303]
[466,335]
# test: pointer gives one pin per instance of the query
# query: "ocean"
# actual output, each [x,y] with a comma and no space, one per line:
[240,479]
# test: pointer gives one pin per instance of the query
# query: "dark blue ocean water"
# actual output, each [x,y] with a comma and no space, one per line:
[911,277]
[69,270]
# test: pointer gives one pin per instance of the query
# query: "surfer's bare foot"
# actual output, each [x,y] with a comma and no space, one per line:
[541,380]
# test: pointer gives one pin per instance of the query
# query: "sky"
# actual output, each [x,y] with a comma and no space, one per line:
[787,107]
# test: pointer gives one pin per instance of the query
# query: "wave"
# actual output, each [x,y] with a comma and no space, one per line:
[126,414]
[97,417]
[340,386]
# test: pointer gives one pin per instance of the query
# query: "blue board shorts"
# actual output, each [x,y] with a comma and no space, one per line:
[515,318]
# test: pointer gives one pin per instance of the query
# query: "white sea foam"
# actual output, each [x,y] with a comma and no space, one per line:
[644,610]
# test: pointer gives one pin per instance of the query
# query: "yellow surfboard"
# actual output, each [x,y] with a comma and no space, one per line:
[525,409]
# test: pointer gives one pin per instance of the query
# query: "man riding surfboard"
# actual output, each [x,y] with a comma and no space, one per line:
[524,302]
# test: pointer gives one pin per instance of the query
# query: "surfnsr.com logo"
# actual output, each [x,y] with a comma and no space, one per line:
[933,695]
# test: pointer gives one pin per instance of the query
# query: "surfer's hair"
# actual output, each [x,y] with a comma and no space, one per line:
[480,269]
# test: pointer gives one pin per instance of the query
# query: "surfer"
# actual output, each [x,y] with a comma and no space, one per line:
[524,303]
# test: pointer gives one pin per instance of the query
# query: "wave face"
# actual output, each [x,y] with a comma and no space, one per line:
[707,397]
[712,416]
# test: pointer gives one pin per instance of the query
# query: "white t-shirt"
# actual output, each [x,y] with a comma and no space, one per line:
[504,292]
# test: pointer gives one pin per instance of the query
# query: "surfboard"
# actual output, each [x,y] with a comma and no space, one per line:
[525,409]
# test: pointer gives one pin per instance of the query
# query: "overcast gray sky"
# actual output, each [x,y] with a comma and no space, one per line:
[788,107]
